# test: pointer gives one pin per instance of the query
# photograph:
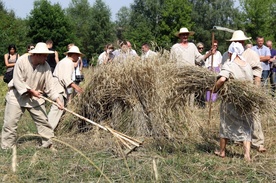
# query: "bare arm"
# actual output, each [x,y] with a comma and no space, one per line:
[264,58]
[6,56]
[56,57]
[219,84]
[209,53]
[81,63]
[76,87]
[257,81]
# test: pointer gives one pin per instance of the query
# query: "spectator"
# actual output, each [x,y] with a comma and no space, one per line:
[200,47]
[264,54]
[123,54]
[106,56]
[272,62]
[52,59]
[147,53]
[131,51]
[10,60]
[213,65]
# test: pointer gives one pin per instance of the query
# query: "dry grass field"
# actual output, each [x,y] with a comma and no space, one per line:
[138,100]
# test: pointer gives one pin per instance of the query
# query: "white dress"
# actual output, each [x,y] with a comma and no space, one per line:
[234,124]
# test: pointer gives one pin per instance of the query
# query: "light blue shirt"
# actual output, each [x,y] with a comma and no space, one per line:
[263,51]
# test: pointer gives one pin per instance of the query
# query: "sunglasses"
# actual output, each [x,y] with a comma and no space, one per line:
[200,48]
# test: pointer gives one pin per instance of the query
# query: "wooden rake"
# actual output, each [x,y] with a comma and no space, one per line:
[127,141]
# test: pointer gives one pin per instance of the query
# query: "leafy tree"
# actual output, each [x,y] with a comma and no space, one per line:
[102,29]
[154,20]
[258,17]
[209,13]
[92,25]
[80,12]
[48,21]
[122,22]
[12,31]
[174,15]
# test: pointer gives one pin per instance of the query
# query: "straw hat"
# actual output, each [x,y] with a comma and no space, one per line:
[184,30]
[73,49]
[41,48]
[239,36]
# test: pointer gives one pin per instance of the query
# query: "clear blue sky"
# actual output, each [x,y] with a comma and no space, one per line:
[22,8]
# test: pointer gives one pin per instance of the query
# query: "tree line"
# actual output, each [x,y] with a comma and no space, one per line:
[153,21]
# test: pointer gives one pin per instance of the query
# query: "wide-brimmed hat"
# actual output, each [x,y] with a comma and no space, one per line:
[239,36]
[41,48]
[184,30]
[74,49]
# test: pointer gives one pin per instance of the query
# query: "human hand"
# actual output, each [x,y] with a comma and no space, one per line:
[34,93]
[60,104]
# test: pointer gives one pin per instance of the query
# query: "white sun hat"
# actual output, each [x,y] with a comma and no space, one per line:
[41,48]
[74,49]
[239,36]
[184,30]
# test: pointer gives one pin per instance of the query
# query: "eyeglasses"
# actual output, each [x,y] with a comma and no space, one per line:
[200,48]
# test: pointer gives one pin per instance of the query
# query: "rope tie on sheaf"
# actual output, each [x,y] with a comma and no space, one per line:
[124,139]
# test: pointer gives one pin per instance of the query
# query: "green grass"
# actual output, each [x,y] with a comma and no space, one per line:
[193,161]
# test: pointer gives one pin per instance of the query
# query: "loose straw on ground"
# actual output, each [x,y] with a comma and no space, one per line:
[126,140]
[64,143]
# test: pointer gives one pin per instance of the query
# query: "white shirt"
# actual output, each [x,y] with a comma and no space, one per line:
[148,54]
[217,60]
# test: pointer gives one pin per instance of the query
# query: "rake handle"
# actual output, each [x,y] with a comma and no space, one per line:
[81,117]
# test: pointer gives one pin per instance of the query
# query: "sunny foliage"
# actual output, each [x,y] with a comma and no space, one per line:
[48,21]
[154,20]
[93,25]
[259,18]
[12,31]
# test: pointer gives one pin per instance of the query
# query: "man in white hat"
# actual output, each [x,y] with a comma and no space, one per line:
[254,60]
[32,76]
[63,80]
[185,53]
[250,56]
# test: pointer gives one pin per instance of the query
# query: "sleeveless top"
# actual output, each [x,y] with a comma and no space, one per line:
[11,61]
[51,59]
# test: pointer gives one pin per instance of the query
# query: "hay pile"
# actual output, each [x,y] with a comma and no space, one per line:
[150,98]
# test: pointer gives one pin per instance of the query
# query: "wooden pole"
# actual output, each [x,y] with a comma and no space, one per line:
[212,69]
[81,117]
[117,134]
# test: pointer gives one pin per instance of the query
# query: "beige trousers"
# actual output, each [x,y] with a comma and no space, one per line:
[13,114]
[258,135]
[55,113]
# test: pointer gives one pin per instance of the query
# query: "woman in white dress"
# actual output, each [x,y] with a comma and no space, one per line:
[234,124]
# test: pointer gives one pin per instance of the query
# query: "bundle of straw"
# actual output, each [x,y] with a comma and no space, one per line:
[149,98]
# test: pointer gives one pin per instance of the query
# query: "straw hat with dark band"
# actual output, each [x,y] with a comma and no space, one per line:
[184,30]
